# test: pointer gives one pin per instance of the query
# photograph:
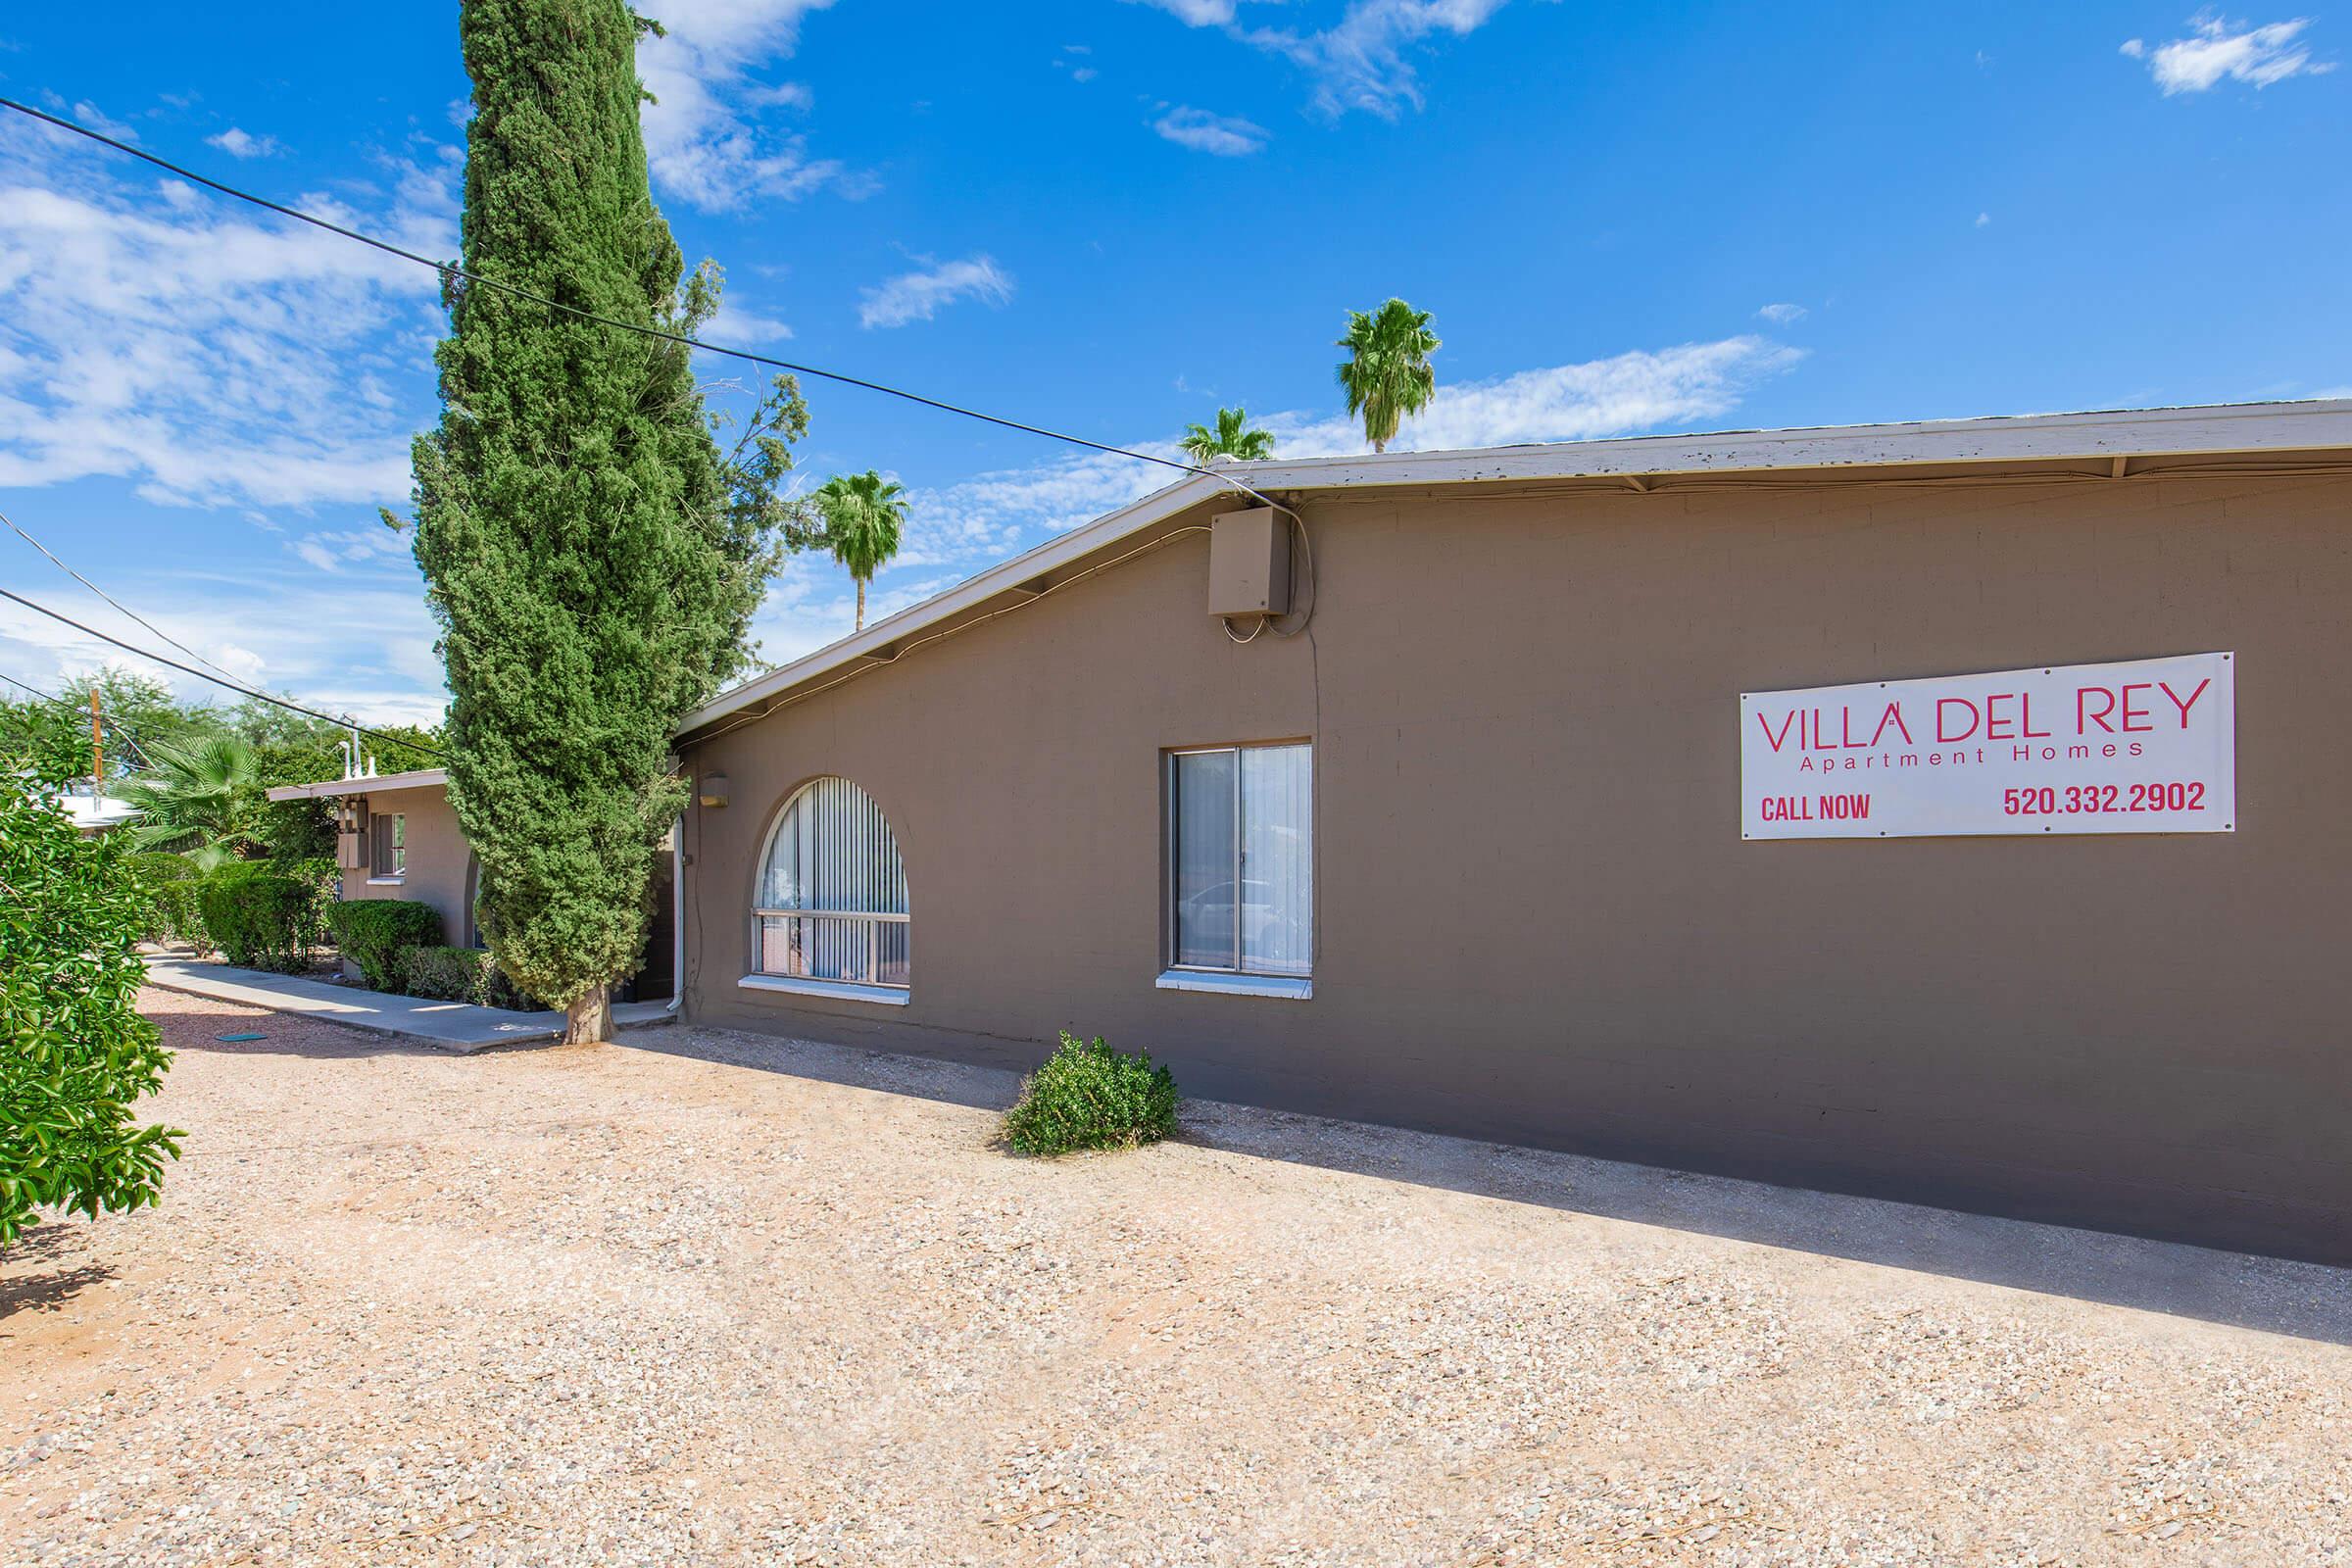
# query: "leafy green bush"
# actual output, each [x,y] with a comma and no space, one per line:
[173,884]
[1088,1096]
[460,974]
[74,1054]
[372,932]
[261,917]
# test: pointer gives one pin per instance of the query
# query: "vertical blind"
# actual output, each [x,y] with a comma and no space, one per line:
[833,890]
[1241,831]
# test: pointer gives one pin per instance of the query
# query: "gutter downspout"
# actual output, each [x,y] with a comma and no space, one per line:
[677,919]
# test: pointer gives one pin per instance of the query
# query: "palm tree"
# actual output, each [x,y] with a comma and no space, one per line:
[1233,438]
[203,797]
[1386,374]
[863,515]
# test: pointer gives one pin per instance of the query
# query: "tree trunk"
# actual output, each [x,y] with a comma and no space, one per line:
[860,626]
[1380,443]
[589,1021]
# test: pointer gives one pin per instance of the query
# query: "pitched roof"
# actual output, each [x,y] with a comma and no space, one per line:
[2059,444]
[415,779]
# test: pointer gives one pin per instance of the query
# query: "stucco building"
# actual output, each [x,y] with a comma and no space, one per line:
[1472,818]
[399,838]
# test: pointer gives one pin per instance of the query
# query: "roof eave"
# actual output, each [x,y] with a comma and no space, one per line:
[2015,439]
[330,789]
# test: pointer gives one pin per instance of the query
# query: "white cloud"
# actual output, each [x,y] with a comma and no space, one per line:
[737,326]
[89,115]
[1364,60]
[2216,48]
[1983,219]
[702,142]
[1197,13]
[360,645]
[1782,314]
[918,296]
[1223,135]
[958,528]
[201,356]
[239,143]
[1642,390]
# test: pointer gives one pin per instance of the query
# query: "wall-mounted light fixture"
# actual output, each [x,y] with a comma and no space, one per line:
[714,791]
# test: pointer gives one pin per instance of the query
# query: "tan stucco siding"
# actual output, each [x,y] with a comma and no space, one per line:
[437,858]
[1537,919]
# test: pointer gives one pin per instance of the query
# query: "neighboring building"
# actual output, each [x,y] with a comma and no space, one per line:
[93,813]
[398,838]
[1475,852]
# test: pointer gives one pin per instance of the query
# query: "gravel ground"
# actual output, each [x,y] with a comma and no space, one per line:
[705,1298]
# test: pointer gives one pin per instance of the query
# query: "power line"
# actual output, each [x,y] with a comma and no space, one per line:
[247,691]
[131,737]
[109,598]
[450,270]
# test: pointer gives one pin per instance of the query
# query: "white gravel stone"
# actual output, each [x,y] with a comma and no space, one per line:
[705,1298]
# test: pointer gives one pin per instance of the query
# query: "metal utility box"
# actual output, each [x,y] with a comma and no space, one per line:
[1250,562]
[351,835]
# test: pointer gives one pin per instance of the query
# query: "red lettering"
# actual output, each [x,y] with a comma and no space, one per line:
[1895,716]
[1991,719]
[1942,703]
[1783,735]
[2130,713]
[2025,703]
[2085,717]
[2165,687]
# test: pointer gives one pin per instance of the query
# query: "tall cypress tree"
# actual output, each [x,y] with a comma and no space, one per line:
[591,567]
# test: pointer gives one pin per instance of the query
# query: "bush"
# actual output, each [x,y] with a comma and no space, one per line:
[74,1054]
[372,932]
[460,974]
[175,913]
[1088,1096]
[261,917]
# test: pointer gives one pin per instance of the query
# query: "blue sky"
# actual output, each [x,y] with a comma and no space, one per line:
[1111,218]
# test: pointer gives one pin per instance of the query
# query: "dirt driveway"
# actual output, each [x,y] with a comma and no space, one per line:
[781,1303]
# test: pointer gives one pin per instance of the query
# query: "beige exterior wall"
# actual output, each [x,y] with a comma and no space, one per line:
[437,858]
[1538,921]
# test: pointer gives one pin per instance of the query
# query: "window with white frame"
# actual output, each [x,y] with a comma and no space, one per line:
[832,897]
[1240,859]
[389,854]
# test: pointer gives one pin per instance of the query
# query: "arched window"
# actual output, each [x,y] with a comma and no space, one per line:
[832,897]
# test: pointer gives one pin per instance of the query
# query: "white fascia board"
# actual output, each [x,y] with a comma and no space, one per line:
[415,779]
[2020,438]
[2155,432]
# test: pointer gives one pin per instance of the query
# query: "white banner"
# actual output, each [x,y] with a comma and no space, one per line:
[2144,747]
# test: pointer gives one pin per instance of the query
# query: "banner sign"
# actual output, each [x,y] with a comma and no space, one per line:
[2144,747]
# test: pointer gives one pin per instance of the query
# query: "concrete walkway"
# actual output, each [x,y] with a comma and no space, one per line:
[457,1026]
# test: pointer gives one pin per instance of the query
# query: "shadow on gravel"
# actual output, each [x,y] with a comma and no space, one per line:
[952,1082]
[48,1291]
[281,1034]
[2309,1300]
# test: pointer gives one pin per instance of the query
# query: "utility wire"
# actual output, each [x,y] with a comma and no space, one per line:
[109,598]
[247,691]
[449,270]
[130,736]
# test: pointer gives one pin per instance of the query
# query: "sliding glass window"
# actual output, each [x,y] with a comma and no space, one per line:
[1240,859]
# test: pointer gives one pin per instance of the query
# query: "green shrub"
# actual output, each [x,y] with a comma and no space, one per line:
[173,885]
[1088,1096]
[460,974]
[74,1054]
[372,932]
[261,917]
